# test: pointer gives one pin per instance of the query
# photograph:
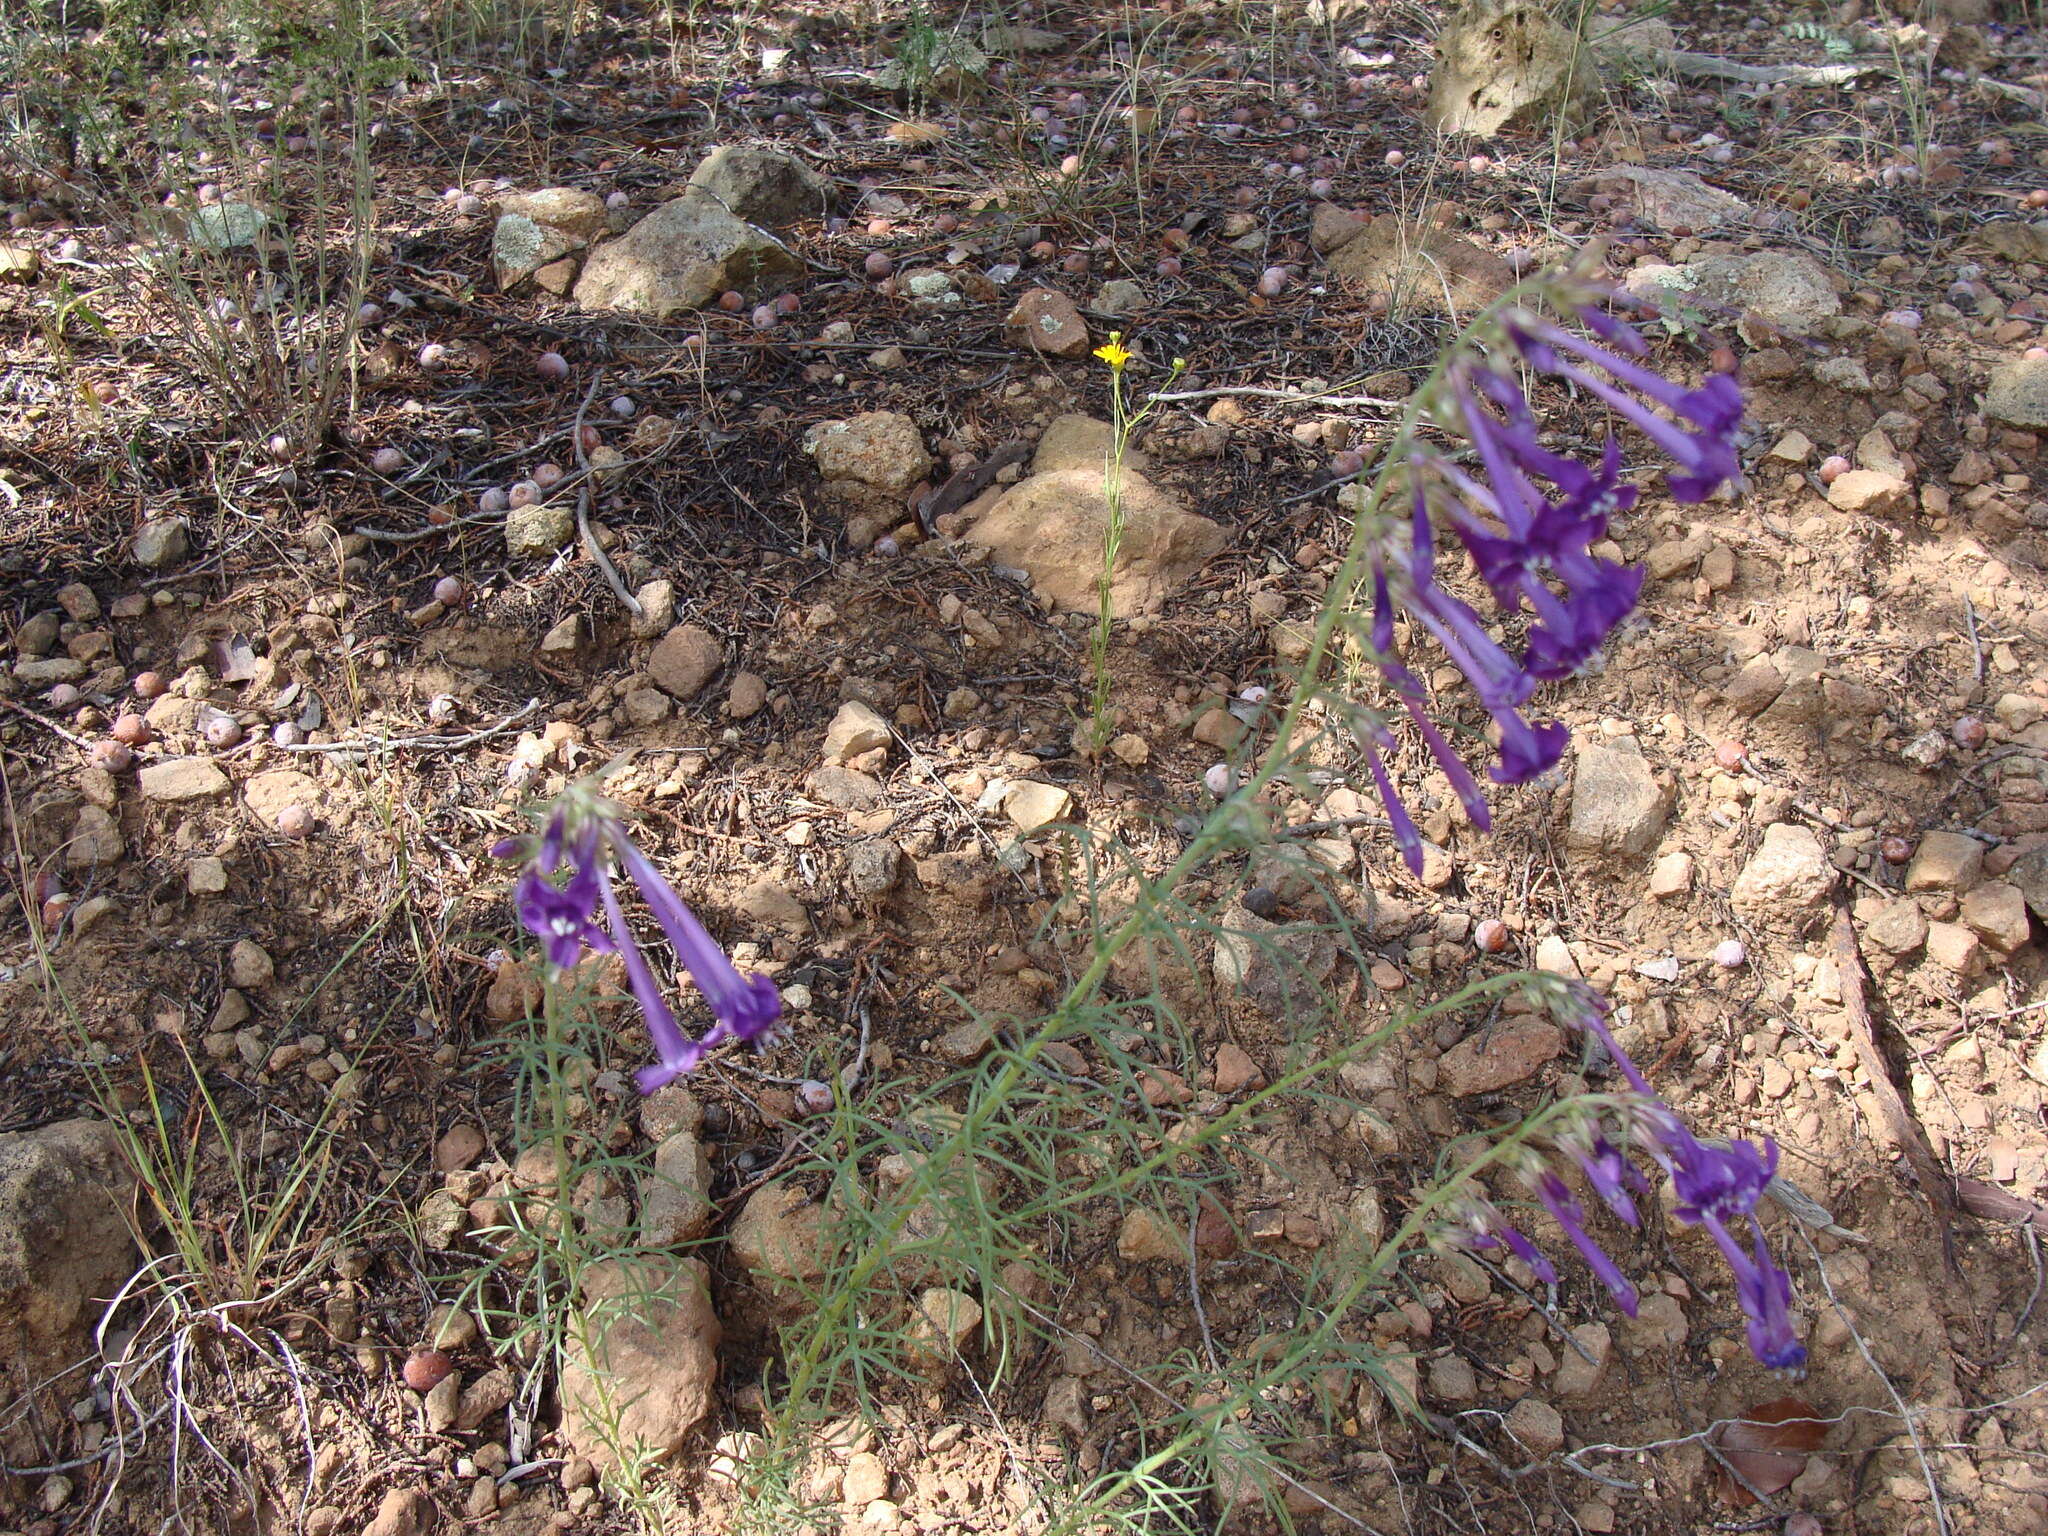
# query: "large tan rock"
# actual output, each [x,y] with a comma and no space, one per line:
[1423,269]
[65,1249]
[680,257]
[765,186]
[1504,64]
[640,1367]
[1051,527]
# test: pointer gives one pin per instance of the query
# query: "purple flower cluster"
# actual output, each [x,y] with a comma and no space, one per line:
[566,880]
[1718,1187]
[1529,518]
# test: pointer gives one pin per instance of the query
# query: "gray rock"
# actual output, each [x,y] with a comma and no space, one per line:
[1899,929]
[1670,199]
[2030,873]
[1617,804]
[872,868]
[225,226]
[1504,64]
[49,671]
[536,532]
[763,186]
[680,257]
[160,542]
[1787,290]
[1121,297]
[37,634]
[2018,395]
[639,1370]
[182,778]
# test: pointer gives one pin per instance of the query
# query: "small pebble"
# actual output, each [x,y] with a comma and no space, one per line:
[133,730]
[1219,779]
[387,461]
[551,367]
[223,732]
[114,756]
[1491,936]
[425,1369]
[448,591]
[295,821]
[1730,954]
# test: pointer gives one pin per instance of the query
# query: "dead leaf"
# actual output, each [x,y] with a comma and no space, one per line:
[234,659]
[917,133]
[1769,1445]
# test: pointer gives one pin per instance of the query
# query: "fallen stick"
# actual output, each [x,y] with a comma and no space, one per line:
[1707,66]
[1898,1126]
[1994,1204]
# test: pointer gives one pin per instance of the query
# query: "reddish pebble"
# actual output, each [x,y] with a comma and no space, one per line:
[946,223]
[1272,282]
[1722,360]
[1731,755]
[1730,954]
[1491,936]
[1895,849]
[114,756]
[2038,198]
[1168,266]
[1075,262]
[878,265]
[295,821]
[448,591]
[547,476]
[552,367]
[493,500]
[1347,463]
[426,1369]
[1969,732]
[133,730]
[731,302]
[1044,250]
[787,303]
[1396,159]
[526,494]
[150,685]
[1833,468]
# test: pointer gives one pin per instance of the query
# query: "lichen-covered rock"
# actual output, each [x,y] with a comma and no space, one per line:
[763,186]
[1421,269]
[680,257]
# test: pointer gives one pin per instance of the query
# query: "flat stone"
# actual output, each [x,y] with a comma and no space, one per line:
[1048,322]
[1872,492]
[858,728]
[1051,527]
[686,659]
[1146,1237]
[1421,268]
[1945,861]
[1670,199]
[1617,804]
[747,695]
[1075,441]
[1121,297]
[845,788]
[95,839]
[1899,928]
[576,213]
[865,1480]
[1755,686]
[178,779]
[49,671]
[1498,1056]
[680,257]
[1786,880]
[1031,805]
[79,602]
[767,901]
[206,876]
[459,1146]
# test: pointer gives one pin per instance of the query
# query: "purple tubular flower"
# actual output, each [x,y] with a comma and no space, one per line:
[1706,457]
[560,912]
[561,915]
[1766,1295]
[1568,1213]
[747,1006]
[1406,837]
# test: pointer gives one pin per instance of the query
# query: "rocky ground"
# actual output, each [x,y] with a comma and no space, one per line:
[741,430]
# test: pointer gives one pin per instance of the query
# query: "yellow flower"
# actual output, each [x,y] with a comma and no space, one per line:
[1114,352]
